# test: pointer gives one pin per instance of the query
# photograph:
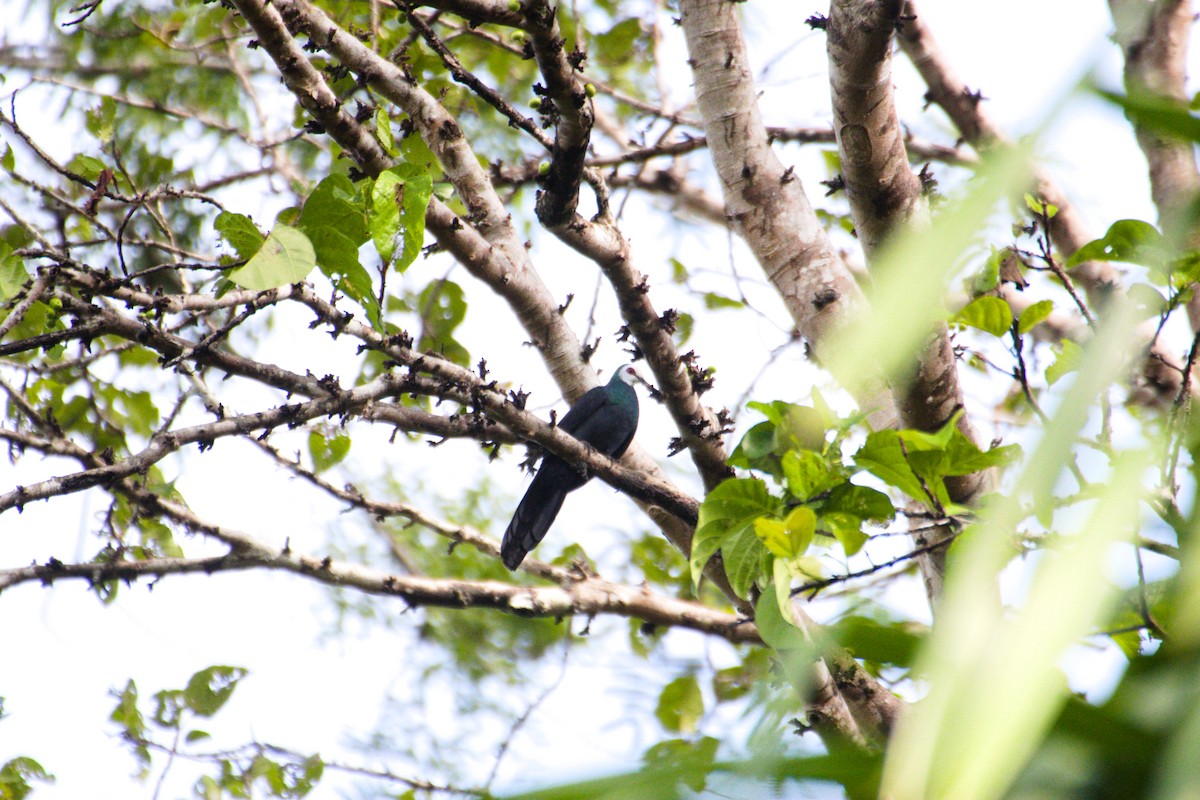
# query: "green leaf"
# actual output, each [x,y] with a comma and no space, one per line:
[169,705]
[443,307]
[989,277]
[1070,358]
[1185,269]
[990,314]
[141,413]
[714,301]
[285,257]
[87,167]
[1147,300]
[773,535]
[679,273]
[240,232]
[383,131]
[734,682]
[744,557]
[916,462]
[865,638]
[101,120]
[129,719]
[334,218]
[860,501]
[807,473]
[796,427]
[1129,240]
[158,538]
[13,274]
[965,457]
[847,529]
[1034,314]
[384,222]
[399,200]
[1166,115]
[790,537]
[728,510]
[16,774]
[9,160]
[614,46]
[756,444]
[680,705]
[675,761]
[1039,206]
[800,526]
[776,629]
[418,189]
[326,451]
[882,456]
[209,688]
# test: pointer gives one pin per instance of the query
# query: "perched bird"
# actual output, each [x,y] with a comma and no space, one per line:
[605,418]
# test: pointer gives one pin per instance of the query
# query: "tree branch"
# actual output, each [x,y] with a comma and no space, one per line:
[765,202]
[884,193]
[586,597]
[1154,38]
[770,210]
[885,196]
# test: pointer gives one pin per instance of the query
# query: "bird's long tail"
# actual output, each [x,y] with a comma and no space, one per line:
[532,519]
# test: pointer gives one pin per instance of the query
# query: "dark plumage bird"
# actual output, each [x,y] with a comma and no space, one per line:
[605,418]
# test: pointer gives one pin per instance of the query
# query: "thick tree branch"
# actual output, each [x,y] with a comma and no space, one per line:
[770,210]
[587,597]
[477,11]
[309,86]
[885,197]
[884,192]
[566,103]
[1154,38]
[766,202]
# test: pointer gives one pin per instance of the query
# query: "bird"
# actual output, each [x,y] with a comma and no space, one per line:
[606,418]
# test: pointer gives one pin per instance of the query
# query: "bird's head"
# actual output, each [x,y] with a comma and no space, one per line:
[629,375]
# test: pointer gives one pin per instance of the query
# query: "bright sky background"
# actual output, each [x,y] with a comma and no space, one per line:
[63,651]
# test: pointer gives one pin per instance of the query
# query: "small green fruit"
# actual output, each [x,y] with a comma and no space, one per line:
[518,37]
[514,6]
[535,103]
[56,304]
[544,168]
[589,89]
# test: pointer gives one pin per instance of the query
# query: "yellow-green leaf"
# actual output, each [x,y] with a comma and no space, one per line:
[680,706]
[285,257]
[1033,315]
[987,313]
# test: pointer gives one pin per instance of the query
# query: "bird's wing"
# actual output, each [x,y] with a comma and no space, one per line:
[591,402]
